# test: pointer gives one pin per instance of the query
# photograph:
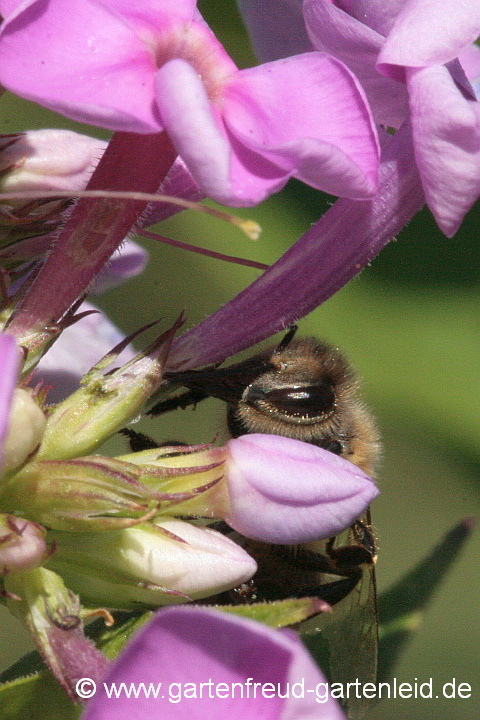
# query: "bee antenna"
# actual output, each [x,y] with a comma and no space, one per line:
[285,342]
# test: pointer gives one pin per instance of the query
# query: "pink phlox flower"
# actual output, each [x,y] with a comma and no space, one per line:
[207,663]
[144,66]
[405,54]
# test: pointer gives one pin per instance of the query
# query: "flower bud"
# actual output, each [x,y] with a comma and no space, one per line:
[47,160]
[98,493]
[22,544]
[286,491]
[25,430]
[78,348]
[159,563]
[105,403]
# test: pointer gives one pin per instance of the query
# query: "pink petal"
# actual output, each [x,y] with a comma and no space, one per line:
[430,32]
[206,563]
[98,70]
[285,491]
[376,14]
[446,133]
[179,183]
[470,61]
[187,114]
[318,130]
[184,647]
[357,45]
[9,6]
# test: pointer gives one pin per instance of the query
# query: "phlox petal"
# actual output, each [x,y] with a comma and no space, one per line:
[377,14]
[446,135]
[328,141]
[193,647]
[470,61]
[22,544]
[189,119]
[356,44]
[429,32]
[285,491]
[128,262]
[98,69]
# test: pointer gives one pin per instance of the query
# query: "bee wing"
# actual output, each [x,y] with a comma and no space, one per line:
[352,639]
[349,634]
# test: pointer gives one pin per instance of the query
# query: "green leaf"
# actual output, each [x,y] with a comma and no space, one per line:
[38,696]
[402,606]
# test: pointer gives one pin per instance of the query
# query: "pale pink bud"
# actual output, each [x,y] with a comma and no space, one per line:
[286,491]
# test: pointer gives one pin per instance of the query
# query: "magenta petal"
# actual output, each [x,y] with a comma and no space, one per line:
[151,12]
[430,32]
[98,69]
[188,116]
[9,6]
[183,647]
[446,135]
[329,141]
[286,491]
[357,45]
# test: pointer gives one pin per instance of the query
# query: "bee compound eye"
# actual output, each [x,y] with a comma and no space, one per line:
[306,400]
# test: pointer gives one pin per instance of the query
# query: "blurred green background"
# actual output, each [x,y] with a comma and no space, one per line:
[410,324]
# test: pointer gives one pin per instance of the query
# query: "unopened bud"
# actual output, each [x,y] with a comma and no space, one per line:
[151,564]
[25,431]
[97,493]
[22,544]
[47,160]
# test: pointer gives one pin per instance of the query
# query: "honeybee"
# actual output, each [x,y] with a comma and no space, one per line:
[306,389]
[303,388]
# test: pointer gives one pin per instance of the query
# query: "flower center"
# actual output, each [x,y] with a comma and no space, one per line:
[195,43]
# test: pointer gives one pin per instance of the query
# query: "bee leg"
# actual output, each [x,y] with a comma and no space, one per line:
[288,338]
[138,441]
[191,397]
